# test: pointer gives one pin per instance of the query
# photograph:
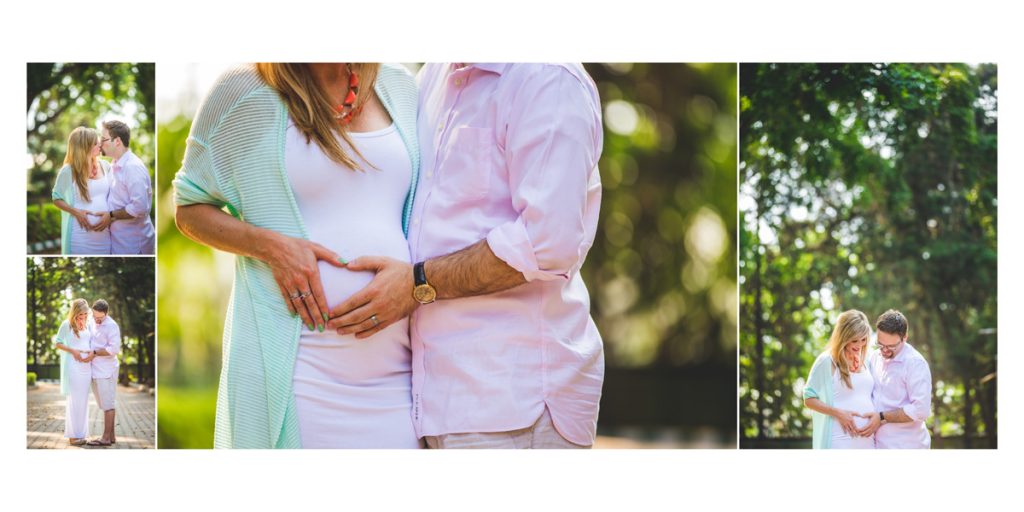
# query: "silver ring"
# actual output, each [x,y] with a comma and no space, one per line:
[374,319]
[295,295]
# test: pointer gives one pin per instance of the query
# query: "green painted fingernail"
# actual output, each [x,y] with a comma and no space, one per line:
[321,328]
[342,260]
[325,317]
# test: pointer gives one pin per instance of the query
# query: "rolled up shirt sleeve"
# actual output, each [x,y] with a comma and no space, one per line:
[553,145]
[114,341]
[139,199]
[919,390]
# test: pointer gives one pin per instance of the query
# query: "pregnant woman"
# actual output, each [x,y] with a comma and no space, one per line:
[839,387]
[317,164]
[74,338]
[81,192]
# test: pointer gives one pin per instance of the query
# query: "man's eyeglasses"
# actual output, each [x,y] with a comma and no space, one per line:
[894,346]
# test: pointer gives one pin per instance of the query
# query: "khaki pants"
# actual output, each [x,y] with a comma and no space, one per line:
[541,435]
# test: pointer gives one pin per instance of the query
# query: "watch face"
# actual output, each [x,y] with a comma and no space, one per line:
[424,293]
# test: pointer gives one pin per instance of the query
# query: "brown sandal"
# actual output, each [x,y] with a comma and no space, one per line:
[99,442]
[80,442]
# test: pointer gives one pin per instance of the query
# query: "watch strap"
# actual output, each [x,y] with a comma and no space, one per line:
[419,275]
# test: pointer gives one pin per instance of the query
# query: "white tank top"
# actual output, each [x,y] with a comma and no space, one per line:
[353,393]
[99,189]
[353,213]
[857,399]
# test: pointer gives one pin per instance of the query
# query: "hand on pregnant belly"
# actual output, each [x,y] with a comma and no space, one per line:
[846,420]
[86,220]
[294,263]
[98,221]
[860,421]
[868,423]
[386,300]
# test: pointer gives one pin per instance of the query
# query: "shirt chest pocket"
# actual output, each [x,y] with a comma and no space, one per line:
[467,163]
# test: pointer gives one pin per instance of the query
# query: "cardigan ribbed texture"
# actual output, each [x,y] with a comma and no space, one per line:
[235,158]
[64,189]
[819,385]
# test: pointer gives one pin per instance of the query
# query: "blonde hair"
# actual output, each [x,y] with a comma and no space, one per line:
[851,326]
[78,306]
[311,108]
[80,144]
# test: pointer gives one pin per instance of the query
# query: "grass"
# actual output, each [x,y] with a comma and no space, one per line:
[185,417]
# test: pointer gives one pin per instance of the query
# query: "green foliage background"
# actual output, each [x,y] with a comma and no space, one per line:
[867,186]
[125,283]
[64,96]
[661,272]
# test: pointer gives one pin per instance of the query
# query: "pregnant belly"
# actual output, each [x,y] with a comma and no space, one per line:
[862,405]
[861,422]
[90,218]
[341,283]
[351,242]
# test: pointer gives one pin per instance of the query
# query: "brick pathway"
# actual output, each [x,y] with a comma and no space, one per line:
[136,425]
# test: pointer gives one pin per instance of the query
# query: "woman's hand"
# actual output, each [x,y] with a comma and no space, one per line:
[845,419]
[293,261]
[83,218]
[75,353]
[294,264]
[89,358]
[104,220]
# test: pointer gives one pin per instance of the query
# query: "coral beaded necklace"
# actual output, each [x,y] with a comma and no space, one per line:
[347,111]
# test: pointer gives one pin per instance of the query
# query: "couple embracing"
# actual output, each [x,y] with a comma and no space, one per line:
[408,253]
[104,206]
[862,401]
[90,341]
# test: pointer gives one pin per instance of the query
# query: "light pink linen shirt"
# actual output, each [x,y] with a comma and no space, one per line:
[903,382]
[106,336]
[132,191]
[509,154]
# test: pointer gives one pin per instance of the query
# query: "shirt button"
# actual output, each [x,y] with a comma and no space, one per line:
[440,127]
[458,81]
[430,174]
[416,222]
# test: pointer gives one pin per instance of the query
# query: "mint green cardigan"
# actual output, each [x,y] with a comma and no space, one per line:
[235,158]
[819,385]
[64,189]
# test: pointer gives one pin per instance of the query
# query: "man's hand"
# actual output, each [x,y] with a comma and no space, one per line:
[388,298]
[77,355]
[104,223]
[872,426]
